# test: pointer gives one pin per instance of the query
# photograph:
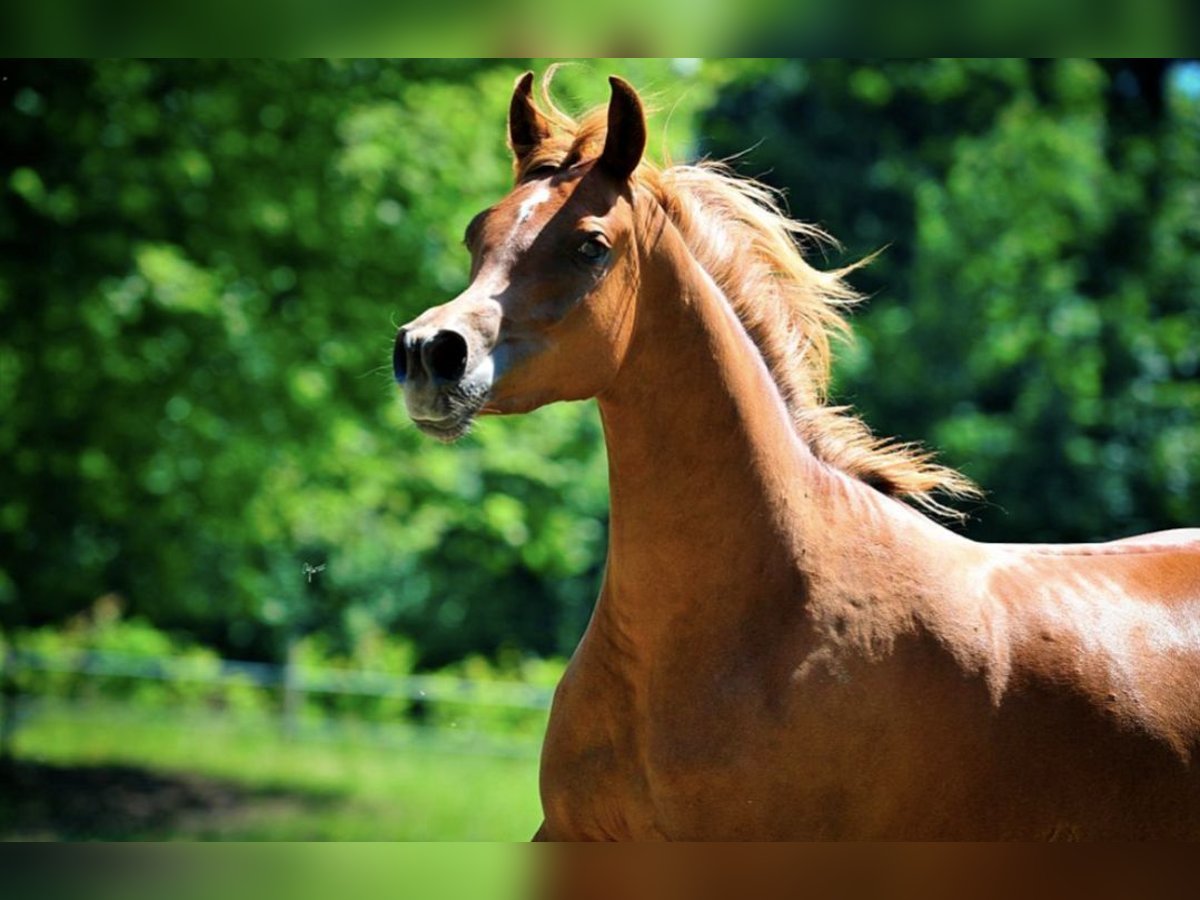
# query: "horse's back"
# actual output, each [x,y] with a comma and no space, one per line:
[1186,538]
[1182,540]
[1115,625]
[1160,569]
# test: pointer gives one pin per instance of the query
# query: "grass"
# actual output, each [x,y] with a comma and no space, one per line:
[105,771]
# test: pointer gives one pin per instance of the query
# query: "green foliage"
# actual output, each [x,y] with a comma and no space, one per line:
[375,655]
[205,264]
[186,673]
[1035,314]
[102,656]
[491,686]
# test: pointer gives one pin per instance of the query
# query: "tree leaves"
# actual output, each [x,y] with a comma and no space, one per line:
[1032,316]
[205,266]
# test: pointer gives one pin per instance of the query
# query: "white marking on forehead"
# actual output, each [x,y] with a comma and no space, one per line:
[532,202]
[525,211]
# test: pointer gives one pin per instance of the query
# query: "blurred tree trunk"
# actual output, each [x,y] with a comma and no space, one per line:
[291,689]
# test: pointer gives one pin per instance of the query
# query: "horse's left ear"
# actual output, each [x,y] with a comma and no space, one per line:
[626,139]
[526,126]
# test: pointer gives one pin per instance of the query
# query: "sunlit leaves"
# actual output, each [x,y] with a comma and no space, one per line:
[1036,314]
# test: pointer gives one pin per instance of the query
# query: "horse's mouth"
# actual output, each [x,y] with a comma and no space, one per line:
[448,429]
[446,413]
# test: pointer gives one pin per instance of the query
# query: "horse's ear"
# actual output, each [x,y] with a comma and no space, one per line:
[626,139]
[526,126]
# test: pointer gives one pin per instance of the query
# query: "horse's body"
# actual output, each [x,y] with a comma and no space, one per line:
[779,650]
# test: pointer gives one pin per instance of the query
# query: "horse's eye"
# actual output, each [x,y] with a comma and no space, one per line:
[593,250]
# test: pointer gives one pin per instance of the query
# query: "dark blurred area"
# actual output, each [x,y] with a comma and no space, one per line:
[575,872]
[856,871]
[306,27]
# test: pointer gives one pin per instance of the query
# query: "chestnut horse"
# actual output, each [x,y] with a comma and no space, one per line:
[782,648]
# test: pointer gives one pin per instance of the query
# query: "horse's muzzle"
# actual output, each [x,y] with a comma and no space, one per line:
[441,396]
[438,356]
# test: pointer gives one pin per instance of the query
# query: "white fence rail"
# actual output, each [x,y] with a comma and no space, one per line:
[288,679]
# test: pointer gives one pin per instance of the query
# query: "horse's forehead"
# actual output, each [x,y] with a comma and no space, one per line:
[510,225]
[529,208]
[539,196]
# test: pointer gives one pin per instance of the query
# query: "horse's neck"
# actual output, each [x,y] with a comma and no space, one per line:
[723,522]
[715,500]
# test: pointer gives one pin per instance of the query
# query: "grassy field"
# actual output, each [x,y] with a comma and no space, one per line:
[111,772]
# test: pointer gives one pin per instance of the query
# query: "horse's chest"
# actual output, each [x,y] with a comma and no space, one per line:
[744,755]
[616,768]
[590,793]
[592,781]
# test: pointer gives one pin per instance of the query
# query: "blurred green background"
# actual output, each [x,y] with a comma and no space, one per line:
[202,266]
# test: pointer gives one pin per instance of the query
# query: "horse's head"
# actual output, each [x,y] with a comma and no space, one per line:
[554,273]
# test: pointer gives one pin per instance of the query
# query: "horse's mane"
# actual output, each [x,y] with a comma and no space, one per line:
[737,231]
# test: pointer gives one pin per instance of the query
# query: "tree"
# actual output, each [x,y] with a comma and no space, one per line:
[1034,314]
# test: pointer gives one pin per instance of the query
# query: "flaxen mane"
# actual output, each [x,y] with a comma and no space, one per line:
[737,231]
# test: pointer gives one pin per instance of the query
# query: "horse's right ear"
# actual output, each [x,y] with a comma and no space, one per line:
[625,141]
[527,127]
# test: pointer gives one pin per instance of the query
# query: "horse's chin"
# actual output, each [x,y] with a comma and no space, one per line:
[446,430]
[449,416]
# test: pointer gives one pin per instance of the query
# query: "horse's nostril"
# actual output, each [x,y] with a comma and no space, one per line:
[400,357]
[446,355]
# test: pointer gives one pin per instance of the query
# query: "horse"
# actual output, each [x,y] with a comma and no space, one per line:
[786,644]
